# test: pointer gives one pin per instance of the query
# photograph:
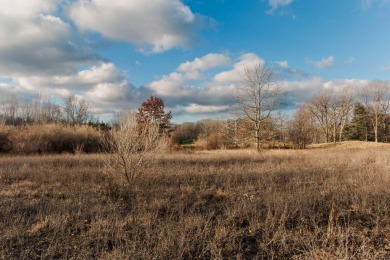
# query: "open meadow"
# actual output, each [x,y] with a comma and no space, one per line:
[320,203]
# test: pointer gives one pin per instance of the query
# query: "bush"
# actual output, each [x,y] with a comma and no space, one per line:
[212,142]
[185,132]
[4,139]
[133,147]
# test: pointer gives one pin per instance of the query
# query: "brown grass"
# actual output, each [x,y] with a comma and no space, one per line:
[49,138]
[350,145]
[329,203]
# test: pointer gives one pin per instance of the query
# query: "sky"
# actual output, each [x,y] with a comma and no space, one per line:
[190,53]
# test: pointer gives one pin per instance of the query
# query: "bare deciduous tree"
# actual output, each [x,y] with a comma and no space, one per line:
[133,147]
[320,107]
[40,109]
[9,109]
[281,127]
[258,96]
[376,98]
[332,110]
[301,128]
[76,110]
[345,103]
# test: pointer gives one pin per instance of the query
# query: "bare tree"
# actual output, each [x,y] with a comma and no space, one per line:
[281,130]
[301,128]
[332,110]
[320,106]
[10,109]
[345,103]
[258,96]
[133,147]
[76,110]
[238,133]
[40,109]
[376,98]
[231,137]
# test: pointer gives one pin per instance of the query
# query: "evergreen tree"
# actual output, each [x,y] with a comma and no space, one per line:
[360,128]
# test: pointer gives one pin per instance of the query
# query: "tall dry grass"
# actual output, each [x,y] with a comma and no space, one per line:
[49,138]
[327,203]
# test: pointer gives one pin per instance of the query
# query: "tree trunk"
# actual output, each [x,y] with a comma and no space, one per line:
[341,132]
[376,129]
[258,139]
[366,134]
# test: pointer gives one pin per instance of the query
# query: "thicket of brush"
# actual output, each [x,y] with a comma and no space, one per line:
[315,204]
[49,138]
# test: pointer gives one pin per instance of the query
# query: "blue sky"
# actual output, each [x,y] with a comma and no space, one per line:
[116,53]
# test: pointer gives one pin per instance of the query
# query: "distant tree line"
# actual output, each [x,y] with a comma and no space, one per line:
[38,125]
[344,114]
[40,109]
[332,115]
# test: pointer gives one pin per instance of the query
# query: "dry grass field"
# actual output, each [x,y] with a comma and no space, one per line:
[329,202]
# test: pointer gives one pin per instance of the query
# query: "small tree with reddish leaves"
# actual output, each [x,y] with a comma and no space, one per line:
[152,112]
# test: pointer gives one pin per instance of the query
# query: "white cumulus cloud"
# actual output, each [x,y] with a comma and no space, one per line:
[105,86]
[234,75]
[201,109]
[204,85]
[179,82]
[325,63]
[35,41]
[300,92]
[26,8]
[159,25]
[209,61]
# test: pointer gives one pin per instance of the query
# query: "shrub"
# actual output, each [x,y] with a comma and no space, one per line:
[133,147]
[4,139]
[212,142]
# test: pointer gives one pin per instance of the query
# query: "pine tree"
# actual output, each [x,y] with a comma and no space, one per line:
[360,128]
